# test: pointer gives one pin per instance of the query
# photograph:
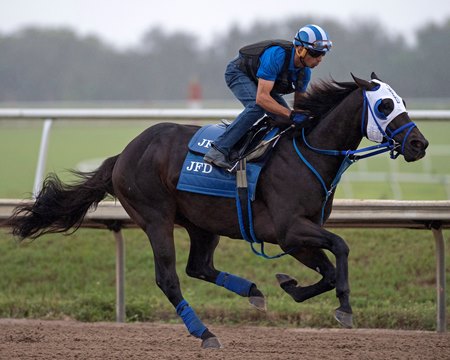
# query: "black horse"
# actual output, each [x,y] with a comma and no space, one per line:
[293,198]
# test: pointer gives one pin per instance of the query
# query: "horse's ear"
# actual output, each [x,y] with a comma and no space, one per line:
[374,76]
[364,84]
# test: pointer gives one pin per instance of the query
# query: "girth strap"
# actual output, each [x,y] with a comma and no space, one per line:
[244,210]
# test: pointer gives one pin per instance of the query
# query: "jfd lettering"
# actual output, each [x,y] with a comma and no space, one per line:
[205,143]
[197,166]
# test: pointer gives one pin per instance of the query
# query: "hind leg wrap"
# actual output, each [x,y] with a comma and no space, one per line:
[234,283]
[190,319]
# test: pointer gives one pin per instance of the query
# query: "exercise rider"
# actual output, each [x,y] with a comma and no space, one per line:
[261,75]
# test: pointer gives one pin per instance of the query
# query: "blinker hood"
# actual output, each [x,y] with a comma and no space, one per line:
[377,122]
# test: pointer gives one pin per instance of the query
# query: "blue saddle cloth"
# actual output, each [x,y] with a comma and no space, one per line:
[202,178]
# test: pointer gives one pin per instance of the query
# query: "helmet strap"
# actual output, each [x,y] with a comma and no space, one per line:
[301,54]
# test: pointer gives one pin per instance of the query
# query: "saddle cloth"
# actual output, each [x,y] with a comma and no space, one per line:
[199,177]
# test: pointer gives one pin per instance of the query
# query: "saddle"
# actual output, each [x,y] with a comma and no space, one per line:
[254,145]
[203,178]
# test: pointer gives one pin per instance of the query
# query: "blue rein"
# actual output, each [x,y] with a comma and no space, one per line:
[351,156]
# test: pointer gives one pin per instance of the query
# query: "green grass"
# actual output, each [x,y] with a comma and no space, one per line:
[75,142]
[70,143]
[392,277]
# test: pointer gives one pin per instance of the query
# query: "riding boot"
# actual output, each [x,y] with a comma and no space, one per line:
[217,158]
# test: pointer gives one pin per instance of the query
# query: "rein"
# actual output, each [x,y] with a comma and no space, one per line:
[351,156]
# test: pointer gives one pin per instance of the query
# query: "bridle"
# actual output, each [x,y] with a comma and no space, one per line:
[351,156]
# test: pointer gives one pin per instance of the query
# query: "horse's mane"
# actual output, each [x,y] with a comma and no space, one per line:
[324,96]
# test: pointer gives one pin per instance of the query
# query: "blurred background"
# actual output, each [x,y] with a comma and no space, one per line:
[148,54]
[145,51]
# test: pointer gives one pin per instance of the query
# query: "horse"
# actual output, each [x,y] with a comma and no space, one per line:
[293,198]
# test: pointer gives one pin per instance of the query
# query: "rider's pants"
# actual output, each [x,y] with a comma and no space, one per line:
[245,91]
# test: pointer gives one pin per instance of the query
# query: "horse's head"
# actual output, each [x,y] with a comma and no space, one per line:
[386,119]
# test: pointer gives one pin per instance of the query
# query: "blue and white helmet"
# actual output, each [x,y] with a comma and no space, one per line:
[313,37]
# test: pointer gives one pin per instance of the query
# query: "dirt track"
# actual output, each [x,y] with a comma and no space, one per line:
[36,339]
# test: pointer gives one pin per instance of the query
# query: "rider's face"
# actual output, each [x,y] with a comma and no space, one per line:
[308,60]
[312,62]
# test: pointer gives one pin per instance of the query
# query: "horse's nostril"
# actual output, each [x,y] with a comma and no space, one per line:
[419,145]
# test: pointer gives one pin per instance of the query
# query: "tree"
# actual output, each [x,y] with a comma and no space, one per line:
[39,64]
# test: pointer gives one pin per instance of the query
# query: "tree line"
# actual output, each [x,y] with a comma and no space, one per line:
[57,64]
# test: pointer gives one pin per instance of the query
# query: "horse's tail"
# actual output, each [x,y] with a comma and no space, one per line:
[59,207]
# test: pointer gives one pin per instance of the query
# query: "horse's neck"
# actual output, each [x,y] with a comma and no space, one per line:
[341,128]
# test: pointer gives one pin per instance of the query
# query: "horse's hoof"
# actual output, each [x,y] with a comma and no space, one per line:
[284,279]
[344,318]
[211,343]
[258,302]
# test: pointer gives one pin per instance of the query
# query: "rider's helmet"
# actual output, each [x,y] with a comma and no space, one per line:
[314,39]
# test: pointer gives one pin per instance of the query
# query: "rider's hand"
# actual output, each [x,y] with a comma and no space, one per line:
[297,117]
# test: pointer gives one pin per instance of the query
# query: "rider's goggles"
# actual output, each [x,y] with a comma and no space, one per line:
[318,47]
[315,53]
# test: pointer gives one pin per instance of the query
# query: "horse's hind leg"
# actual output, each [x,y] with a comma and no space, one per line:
[201,266]
[161,238]
[158,226]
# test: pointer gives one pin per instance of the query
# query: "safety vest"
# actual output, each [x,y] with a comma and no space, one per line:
[249,63]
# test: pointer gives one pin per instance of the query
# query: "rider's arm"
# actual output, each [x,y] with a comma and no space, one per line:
[297,96]
[302,84]
[271,63]
[267,102]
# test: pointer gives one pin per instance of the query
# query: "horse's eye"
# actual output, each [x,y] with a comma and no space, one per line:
[386,106]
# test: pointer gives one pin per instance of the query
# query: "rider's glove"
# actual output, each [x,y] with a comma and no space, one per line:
[297,117]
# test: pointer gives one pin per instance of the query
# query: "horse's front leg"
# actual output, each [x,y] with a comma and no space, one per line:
[343,313]
[308,235]
[317,260]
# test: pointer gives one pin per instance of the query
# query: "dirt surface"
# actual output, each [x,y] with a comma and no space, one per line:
[38,339]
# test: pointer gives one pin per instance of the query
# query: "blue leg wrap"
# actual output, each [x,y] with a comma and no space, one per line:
[234,283]
[190,319]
